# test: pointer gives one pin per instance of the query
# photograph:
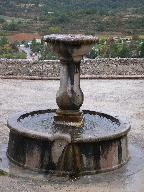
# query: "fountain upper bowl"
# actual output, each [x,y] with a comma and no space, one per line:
[71,38]
[70,47]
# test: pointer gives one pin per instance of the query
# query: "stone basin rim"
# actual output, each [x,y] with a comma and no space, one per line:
[71,38]
[16,127]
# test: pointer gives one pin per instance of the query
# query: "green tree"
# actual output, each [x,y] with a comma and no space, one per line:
[47,53]
[124,51]
[35,46]
[55,30]
[113,49]
[2,20]
[3,41]
[104,51]
[142,50]
[20,55]
[11,26]
[10,50]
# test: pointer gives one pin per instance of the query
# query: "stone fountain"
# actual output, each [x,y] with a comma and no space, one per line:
[68,141]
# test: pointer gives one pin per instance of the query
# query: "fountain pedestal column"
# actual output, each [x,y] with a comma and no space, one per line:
[69,96]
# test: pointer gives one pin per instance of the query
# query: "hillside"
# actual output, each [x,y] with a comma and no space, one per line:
[78,16]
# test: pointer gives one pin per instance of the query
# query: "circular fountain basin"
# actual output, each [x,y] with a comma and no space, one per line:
[37,143]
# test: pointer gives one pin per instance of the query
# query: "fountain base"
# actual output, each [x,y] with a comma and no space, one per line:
[69,117]
[37,143]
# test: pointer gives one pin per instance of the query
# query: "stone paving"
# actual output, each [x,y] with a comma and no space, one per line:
[116,97]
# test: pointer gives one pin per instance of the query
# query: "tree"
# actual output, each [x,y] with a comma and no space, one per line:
[113,49]
[124,51]
[35,46]
[2,20]
[55,30]
[12,26]
[47,53]
[104,51]
[142,50]
[3,41]
[10,50]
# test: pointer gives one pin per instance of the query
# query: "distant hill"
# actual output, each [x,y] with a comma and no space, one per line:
[83,16]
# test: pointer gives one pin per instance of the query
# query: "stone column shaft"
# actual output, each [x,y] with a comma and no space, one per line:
[69,96]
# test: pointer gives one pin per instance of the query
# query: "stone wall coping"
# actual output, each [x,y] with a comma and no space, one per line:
[86,59]
[82,77]
[99,68]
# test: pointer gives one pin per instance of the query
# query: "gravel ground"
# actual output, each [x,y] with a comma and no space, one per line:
[116,97]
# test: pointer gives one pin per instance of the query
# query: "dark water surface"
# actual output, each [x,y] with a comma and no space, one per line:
[95,125]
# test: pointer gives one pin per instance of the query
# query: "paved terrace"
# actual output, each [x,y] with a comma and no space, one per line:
[116,97]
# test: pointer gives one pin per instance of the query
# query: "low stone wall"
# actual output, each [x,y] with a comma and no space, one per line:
[100,67]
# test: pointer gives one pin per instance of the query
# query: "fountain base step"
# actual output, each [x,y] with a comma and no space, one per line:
[69,118]
[65,150]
